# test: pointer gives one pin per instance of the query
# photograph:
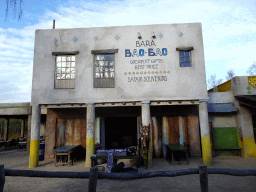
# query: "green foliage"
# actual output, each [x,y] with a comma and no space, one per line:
[14,130]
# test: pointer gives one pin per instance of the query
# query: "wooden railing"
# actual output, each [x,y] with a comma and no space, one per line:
[93,175]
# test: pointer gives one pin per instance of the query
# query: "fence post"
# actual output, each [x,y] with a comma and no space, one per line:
[93,179]
[203,178]
[2,178]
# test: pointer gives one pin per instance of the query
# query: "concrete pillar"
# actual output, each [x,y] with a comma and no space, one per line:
[90,133]
[28,133]
[22,128]
[6,128]
[145,115]
[165,138]
[245,129]
[102,133]
[205,134]
[97,130]
[35,136]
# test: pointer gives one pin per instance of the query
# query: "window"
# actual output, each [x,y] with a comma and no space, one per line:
[65,71]
[185,58]
[104,71]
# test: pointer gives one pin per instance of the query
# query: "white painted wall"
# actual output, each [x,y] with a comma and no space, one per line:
[182,83]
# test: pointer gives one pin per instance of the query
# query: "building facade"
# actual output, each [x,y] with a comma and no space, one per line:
[232,114]
[107,84]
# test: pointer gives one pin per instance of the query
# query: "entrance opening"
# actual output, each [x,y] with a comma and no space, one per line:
[121,132]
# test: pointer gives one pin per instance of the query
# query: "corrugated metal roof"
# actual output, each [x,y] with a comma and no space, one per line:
[220,108]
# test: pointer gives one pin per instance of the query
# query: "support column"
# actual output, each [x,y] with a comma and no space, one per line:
[145,114]
[28,133]
[245,130]
[22,128]
[35,136]
[6,129]
[90,133]
[205,134]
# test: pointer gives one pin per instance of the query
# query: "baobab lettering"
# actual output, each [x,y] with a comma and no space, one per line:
[141,52]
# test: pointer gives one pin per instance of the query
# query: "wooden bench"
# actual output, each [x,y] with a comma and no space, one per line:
[64,152]
[236,151]
[171,148]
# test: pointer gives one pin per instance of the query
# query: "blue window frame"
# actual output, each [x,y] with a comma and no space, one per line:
[185,58]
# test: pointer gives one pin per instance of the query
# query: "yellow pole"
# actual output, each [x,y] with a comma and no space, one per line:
[205,133]
[90,133]
[35,136]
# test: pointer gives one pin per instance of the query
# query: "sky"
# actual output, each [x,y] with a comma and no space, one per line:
[229,32]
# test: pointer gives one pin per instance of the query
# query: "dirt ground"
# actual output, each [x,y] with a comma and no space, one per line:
[217,183]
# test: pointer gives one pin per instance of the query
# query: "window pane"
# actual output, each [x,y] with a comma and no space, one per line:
[101,63]
[62,76]
[67,70]
[72,70]
[58,76]
[67,76]
[72,64]
[111,68]
[182,59]
[111,57]
[68,58]
[187,64]
[187,59]
[97,75]
[187,53]
[72,76]
[106,63]
[182,53]
[63,64]
[68,64]
[106,69]
[101,57]
[106,57]
[58,58]
[63,70]
[112,74]
[97,69]
[101,69]
[101,75]
[106,74]
[73,58]
[97,57]
[58,70]
[182,64]
[58,64]
[64,58]
[111,62]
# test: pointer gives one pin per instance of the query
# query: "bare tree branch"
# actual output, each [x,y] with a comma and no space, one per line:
[13,4]
[230,74]
[252,69]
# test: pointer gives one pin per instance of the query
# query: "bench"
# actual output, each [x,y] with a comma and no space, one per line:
[236,151]
[63,155]
[171,148]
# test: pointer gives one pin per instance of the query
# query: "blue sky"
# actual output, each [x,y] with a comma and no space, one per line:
[229,32]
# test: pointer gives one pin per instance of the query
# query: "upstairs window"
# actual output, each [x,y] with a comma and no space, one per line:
[104,68]
[185,58]
[65,71]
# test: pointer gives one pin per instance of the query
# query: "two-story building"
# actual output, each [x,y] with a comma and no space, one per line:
[107,84]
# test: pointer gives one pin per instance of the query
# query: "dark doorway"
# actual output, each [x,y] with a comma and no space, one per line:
[121,132]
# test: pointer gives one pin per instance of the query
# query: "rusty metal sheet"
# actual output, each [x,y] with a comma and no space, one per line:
[71,132]
[194,136]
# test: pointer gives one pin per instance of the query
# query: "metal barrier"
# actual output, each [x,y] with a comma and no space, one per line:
[93,175]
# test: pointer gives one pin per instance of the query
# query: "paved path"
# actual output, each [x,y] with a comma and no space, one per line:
[217,183]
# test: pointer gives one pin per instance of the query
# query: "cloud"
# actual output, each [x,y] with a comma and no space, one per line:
[229,32]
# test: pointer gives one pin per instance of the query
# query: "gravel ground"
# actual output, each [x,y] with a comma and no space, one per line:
[217,183]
